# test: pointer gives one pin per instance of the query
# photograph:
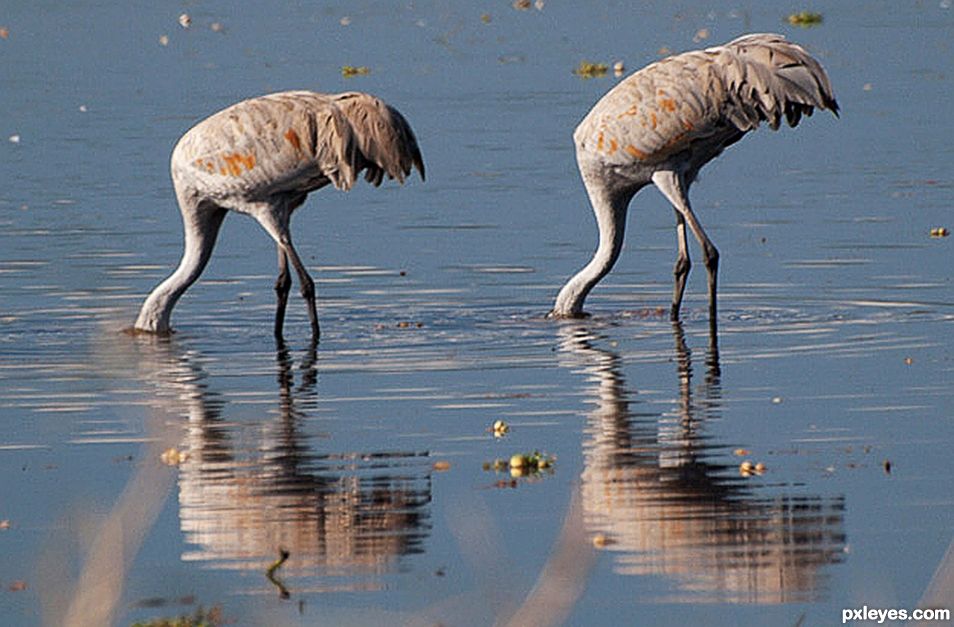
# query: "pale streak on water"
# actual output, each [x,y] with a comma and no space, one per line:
[833,354]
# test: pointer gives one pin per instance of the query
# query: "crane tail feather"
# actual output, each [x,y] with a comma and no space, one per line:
[773,79]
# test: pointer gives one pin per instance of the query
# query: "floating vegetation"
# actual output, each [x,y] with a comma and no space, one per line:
[591,70]
[500,428]
[532,464]
[805,19]
[747,469]
[350,71]
[173,457]
[939,231]
[524,5]
[283,555]
[211,617]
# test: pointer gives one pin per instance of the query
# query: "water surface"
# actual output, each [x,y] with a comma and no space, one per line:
[364,457]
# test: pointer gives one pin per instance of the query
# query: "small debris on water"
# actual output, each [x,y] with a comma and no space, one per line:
[523,464]
[741,452]
[600,541]
[14,139]
[17,586]
[283,555]
[4,32]
[211,617]
[776,400]
[747,468]
[908,361]
[163,40]
[441,466]
[587,69]
[701,35]
[887,466]
[350,71]
[500,428]
[173,457]
[407,324]
[485,18]
[805,19]
[217,27]
[5,524]
[345,21]
[521,5]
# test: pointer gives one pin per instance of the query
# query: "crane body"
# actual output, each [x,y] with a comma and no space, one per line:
[262,157]
[663,123]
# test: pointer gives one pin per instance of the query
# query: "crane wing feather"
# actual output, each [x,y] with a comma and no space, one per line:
[298,141]
[701,101]
[387,143]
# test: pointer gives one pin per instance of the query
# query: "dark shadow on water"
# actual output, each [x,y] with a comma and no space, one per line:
[669,500]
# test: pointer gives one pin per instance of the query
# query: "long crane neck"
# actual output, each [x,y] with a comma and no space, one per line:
[201,230]
[610,207]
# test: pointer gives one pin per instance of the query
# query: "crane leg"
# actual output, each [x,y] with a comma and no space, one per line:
[282,287]
[681,269]
[275,221]
[307,287]
[672,186]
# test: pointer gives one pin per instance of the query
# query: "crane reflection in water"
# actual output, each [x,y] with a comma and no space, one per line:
[670,501]
[248,491]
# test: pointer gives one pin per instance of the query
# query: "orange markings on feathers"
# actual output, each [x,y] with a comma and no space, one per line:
[293,139]
[635,152]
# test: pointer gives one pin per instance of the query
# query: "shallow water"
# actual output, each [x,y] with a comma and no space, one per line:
[832,364]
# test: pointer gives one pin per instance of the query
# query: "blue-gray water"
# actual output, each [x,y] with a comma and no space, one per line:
[834,353]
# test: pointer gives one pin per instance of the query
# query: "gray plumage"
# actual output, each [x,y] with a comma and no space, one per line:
[664,122]
[261,157]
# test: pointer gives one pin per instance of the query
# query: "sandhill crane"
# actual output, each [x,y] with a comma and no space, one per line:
[664,122]
[262,157]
